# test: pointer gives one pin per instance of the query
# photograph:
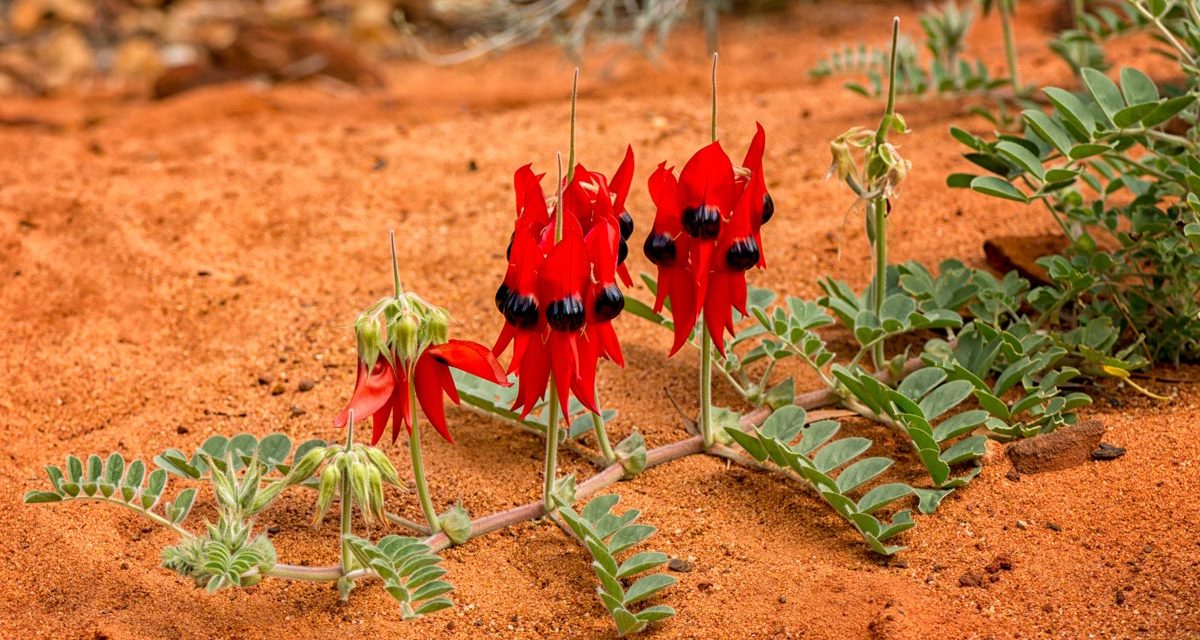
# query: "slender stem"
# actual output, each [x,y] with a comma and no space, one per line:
[706,385]
[571,151]
[579,450]
[414,449]
[606,449]
[551,451]
[407,524]
[879,284]
[1010,47]
[395,265]
[713,131]
[347,501]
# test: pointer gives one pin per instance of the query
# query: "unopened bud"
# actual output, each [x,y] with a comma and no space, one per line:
[360,485]
[331,478]
[380,461]
[405,332]
[375,492]
[437,326]
[306,466]
[368,330]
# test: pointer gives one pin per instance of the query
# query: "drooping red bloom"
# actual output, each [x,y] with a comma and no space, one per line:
[559,297]
[706,235]
[381,387]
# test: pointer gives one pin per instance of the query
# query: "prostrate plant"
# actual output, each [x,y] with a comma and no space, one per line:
[1117,176]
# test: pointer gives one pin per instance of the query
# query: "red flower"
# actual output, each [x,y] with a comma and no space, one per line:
[559,298]
[381,387]
[706,235]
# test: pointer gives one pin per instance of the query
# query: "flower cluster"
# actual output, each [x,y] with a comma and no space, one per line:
[706,235]
[560,294]
[404,353]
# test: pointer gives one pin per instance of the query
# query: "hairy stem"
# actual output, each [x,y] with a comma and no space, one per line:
[347,504]
[551,451]
[414,449]
[606,449]
[706,384]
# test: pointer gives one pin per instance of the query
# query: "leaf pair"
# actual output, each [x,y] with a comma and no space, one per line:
[410,572]
[607,536]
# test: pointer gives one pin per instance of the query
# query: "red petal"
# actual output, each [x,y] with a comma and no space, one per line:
[531,200]
[401,406]
[603,242]
[564,357]
[707,179]
[429,392]
[622,180]
[533,375]
[684,308]
[565,271]
[471,357]
[371,392]
[664,191]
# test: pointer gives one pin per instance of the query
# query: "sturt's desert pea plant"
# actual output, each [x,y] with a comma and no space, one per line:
[985,357]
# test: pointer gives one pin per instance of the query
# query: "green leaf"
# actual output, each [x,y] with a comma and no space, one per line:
[1072,110]
[647,587]
[274,448]
[599,507]
[628,537]
[1048,129]
[748,442]
[998,188]
[437,604]
[640,562]
[40,497]
[1137,87]
[74,470]
[654,614]
[179,509]
[1087,150]
[944,398]
[861,472]
[627,623]
[838,453]
[94,468]
[1104,91]
[1168,109]
[1020,156]
[1132,115]
[114,469]
[881,496]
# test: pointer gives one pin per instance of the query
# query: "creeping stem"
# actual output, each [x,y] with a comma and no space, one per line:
[414,449]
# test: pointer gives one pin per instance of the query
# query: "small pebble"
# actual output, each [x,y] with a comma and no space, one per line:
[297,411]
[1119,597]
[306,386]
[680,565]
[273,530]
[181,430]
[266,379]
[277,390]
[1107,452]
[704,586]
[1021,524]
[1053,526]
[1013,475]
[970,579]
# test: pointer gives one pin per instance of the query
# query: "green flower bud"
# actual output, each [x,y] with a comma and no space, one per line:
[405,332]
[437,326]
[369,332]
[306,466]
[375,486]
[331,479]
[360,486]
[456,522]
[380,461]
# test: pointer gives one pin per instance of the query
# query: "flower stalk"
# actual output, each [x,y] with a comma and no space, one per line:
[418,465]
[706,429]
[877,210]
[347,502]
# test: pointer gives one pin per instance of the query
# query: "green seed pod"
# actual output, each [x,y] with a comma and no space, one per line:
[437,326]
[380,461]
[331,479]
[306,466]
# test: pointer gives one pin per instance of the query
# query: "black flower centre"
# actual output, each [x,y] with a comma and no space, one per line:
[660,249]
[703,222]
[742,254]
[502,296]
[521,311]
[768,208]
[609,303]
[566,314]
[626,222]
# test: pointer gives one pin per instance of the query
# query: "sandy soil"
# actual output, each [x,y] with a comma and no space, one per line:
[156,259]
